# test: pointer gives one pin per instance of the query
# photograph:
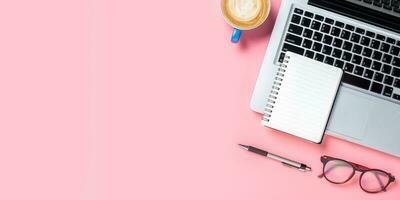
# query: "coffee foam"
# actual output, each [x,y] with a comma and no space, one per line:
[245,14]
[244,10]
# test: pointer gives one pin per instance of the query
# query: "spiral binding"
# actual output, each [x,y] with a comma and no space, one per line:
[273,96]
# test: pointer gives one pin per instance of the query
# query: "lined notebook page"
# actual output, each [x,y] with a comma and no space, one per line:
[305,98]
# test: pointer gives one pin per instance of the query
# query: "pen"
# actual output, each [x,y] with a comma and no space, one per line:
[284,161]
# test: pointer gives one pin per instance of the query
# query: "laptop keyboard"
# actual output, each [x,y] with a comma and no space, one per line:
[370,60]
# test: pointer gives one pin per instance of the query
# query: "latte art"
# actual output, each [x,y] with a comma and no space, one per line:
[245,14]
[244,10]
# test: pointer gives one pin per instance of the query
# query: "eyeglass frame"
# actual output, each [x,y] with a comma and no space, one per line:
[356,167]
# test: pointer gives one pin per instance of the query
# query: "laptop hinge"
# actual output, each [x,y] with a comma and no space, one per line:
[358,12]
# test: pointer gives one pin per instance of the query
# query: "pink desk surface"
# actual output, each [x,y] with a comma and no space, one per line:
[145,100]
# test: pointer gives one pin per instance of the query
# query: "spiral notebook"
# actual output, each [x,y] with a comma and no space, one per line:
[302,97]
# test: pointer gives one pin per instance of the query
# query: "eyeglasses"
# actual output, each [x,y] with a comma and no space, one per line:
[339,171]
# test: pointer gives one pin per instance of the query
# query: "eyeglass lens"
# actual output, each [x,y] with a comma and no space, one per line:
[374,181]
[338,171]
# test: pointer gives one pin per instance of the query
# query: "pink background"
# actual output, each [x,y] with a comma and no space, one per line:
[125,99]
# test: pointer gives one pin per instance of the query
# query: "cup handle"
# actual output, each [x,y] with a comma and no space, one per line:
[235,35]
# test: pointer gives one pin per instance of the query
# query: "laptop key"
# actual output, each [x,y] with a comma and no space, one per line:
[380,37]
[357,49]
[376,66]
[309,54]
[390,40]
[339,64]
[329,20]
[329,60]
[345,35]
[366,63]
[388,80]
[319,17]
[396,61]
[295,29]
[386,4]
[395,50]
[355,37]
[298,11]
[325,28]
[296,19]
[315,25]
[396,72]
[292,48]
[317,36]
[319,57]
[377,55]
[339,24]
[348,67]
[360,31]
[359,71]
[305,22]
[387,58]
[337,43]
[308,14]
[388,91]
[376,87]
[378,77]
[386,69]
[367,52]
[335,31]
[370,34]
[396,96]
[337,53]
[307,33]
[368,74]
[327,39]
[346,56]
[356,81]
[396,83]
[307,43]
[347,46]
[317,46]
[365,41]
[375,44]
[349,27]
[293,39]
[387,7]
[356,59]
[327,50]
[385,47]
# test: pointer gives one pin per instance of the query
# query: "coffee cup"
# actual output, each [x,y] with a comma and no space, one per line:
[244,15]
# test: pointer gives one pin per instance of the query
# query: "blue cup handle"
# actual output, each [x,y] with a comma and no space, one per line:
[235,35]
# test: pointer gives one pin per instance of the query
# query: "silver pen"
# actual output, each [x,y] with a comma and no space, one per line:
[284,161]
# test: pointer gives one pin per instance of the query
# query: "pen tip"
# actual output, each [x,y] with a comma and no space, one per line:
[244,146]
[308,168]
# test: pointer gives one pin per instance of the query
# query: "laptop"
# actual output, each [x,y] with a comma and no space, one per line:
[362,37]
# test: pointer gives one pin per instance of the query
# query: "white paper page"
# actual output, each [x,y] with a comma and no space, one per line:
[305,98]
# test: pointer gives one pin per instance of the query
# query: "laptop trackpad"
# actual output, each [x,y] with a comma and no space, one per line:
[350,115]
